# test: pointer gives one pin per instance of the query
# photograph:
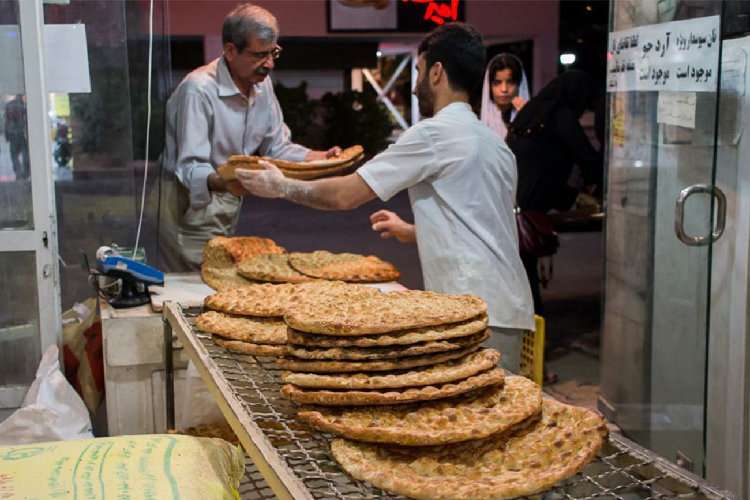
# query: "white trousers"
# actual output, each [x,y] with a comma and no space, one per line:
[508,341]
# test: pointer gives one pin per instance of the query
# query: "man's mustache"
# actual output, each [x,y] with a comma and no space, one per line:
[263,71]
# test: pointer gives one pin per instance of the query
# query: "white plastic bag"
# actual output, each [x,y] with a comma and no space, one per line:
[198,406]
[51,411]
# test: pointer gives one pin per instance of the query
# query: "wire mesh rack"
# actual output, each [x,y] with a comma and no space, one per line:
[288,459]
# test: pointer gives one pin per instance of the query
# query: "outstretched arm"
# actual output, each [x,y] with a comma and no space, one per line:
[393,226]
[335,193]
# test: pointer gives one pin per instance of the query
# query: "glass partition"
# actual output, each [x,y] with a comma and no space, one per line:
[661,162]
[15,186]
[99,136]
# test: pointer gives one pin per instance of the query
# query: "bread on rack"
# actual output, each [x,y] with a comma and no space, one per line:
[475,415]
[524,460]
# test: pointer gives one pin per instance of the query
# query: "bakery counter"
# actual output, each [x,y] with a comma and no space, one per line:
[133,348]
[296,461]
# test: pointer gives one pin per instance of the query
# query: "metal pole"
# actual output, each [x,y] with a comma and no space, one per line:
[168,374]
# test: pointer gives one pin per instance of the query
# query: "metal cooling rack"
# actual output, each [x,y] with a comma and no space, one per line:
[290,460]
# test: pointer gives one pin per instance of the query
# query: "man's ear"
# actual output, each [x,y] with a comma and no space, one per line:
[230,51]
[437,72]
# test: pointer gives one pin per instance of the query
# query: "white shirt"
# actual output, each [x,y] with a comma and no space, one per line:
[462,185]
[209,119]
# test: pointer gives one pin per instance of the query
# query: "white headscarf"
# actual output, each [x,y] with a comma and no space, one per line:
[490,114]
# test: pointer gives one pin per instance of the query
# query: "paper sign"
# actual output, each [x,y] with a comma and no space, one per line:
[733,66]
[676,108]
[676,56]
[66,59]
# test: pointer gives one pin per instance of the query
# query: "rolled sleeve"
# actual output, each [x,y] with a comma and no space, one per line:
[193,165]
[200,195]
[409,161]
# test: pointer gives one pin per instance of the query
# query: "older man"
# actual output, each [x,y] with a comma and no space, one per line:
[461,179]
[225,108]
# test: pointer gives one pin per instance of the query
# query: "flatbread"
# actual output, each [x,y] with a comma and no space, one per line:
[220,430]
[218,266]
[264,300]
[240,159]
[228,171]
[343,266]
[270,267]
[402,337]
[223,279]
[372,353]
[347,155]
[216,255]
[268,299]
[476,415]
[442,373]
[240,347]
[386,312]
[243,247]
[494,376]
[522,461]
[247,329]
[315,173]
[310,366]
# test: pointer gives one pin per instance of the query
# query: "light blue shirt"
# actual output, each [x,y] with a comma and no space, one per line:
[462,185]
[209,120]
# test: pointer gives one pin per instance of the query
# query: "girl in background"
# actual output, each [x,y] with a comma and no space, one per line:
[504,93]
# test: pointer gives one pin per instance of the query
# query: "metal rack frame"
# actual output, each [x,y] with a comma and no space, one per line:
[295,461]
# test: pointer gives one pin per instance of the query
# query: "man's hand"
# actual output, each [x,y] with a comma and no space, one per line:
[518,102]
[218,184]
[323,155]
[393,226]
[268,183]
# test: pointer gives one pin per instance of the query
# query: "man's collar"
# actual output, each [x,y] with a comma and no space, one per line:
[455,106]
[227,87]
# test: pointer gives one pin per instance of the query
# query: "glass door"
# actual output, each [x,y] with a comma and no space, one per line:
[29,291]
[664,61]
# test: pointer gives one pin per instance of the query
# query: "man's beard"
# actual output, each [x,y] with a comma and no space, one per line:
[425,99]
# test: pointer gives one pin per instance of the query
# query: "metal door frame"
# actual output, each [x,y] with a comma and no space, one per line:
[42,240]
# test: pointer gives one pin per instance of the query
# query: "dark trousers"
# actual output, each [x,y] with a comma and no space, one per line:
[531,265]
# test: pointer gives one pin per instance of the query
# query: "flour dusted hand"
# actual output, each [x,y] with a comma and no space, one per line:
[268,183]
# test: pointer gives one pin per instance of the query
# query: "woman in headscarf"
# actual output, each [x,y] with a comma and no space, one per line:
[504,93]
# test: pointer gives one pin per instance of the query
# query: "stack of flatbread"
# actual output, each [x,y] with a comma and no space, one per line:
[249,320]
[221,254]
[295,170]
[298,267]
[386,349]
[425,411]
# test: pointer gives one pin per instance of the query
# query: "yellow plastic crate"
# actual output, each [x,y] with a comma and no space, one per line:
[532,352]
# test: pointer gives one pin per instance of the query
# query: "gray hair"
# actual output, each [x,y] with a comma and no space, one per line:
[246,20]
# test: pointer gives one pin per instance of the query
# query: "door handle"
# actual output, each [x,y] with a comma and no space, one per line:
[721,215]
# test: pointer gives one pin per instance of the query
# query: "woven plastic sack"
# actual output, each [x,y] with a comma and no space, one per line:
[136,467]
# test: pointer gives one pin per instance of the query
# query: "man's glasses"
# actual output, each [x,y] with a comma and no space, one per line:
[262,56]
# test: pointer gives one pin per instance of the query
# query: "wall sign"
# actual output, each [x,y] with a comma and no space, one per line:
[393,15]
[676,56]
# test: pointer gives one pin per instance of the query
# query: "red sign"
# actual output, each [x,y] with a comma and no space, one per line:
[439,11]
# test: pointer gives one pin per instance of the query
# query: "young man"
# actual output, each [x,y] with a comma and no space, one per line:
[461,179]
[225,108]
